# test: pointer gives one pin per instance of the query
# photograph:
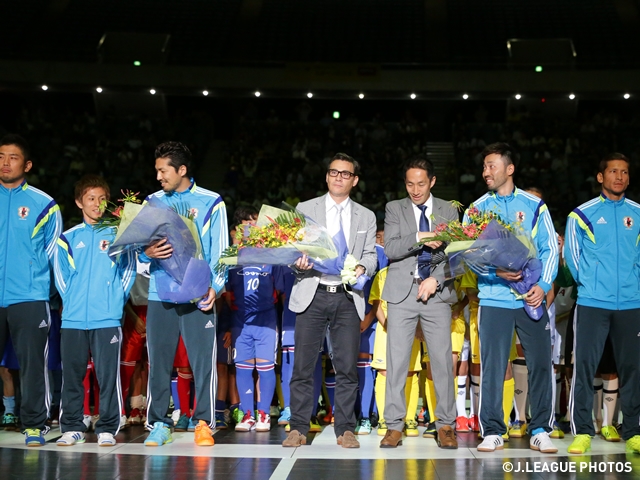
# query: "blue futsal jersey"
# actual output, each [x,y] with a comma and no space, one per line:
[284,284]
[252,291]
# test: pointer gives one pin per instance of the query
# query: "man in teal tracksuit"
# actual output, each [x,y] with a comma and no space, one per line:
[500,312]
[30,224]
[166,322]
[601,250]
[94,288]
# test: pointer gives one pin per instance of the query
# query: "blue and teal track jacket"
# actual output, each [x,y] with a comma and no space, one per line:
[93,288]
[533,216]
[30,223]
[210,216]
[601,250]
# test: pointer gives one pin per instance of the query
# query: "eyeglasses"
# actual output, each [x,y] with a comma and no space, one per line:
[343,173]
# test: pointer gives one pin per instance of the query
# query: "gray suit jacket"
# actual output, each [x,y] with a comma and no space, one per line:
[362,245]
[399,239]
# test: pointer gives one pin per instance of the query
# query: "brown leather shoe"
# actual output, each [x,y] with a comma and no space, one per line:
[294,439]
[447,438]
[348,440]
[392,439]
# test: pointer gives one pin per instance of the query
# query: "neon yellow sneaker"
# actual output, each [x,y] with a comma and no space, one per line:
[518,429]
[610,434]
[633,444]
[505,437]
[556,432]
[411,428]
[581,444]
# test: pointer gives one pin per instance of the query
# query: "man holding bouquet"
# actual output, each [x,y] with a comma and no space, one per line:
[601,251]
[195,322]
[500,311]
[322,301]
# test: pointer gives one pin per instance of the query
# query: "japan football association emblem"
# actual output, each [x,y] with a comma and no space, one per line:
[628,222]
[104,245]
[23,212]
[520,216]
[193,213]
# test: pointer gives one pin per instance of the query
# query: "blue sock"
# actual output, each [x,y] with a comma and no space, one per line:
[174,393]
[9,404]
[285,375]
[267,385]
[244,380]
[330,383]
[220,405]
[537,431]
[317,385]
[365,384]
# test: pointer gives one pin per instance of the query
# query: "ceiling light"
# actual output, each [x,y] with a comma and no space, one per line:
[465,96]
[99,89]
[413,96]
[572,96]
[518,96]
[257,94]
[152,91]
[361,96]
[309,95]
[205,92]
[45,88]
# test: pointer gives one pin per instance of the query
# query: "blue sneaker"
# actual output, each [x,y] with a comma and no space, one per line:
[285,416]
[34,437]
[10,422]
[160,435]
[192,425]
[182,424]
[221,423]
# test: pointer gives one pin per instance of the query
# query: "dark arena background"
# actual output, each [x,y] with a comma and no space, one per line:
[265,92]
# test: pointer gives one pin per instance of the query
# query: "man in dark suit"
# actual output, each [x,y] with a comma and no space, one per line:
[323,301]
[416,291]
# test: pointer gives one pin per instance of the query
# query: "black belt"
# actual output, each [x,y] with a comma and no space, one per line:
[331,288]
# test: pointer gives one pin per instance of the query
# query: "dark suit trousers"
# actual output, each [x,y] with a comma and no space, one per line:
[338,312]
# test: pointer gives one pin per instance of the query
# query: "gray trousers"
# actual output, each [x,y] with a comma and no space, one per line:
[104,344]
[435,320]
[165,323]
[28,323]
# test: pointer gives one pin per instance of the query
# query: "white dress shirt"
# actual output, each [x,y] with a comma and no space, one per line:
[333,226]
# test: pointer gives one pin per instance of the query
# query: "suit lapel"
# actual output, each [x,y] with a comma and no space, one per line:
[355,212]
[320,211]
[407,212]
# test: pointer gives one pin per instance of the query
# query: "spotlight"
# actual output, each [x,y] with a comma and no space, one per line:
[336,115]
[257,94]
[465,96]
[309,95]
[361,96]
[205,92]
[99,89]
[539,68]
[572,96]
[136,63]
[626,96]
[152,91]
[518,96]
[413,96]
[45,88]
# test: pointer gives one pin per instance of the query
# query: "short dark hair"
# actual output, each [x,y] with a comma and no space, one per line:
[18,141]
[244,213]
[537,190]
[91,181]
[506,152]
[379,226]
[604,163]
[177,153]
[421,162]
[347,158]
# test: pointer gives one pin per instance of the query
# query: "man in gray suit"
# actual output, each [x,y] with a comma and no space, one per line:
[322,300]
[416,291]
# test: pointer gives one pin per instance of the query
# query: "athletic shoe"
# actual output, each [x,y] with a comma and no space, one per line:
[34,437]
[518,429]
[135,416]
[430,431]
[542,443]
[505,437]
[237,415]
[274,411]
[182,425]
[557,431]
[70,438]
[227,416]
[287,427]
[10,422]
[411,428]
[86,419]
[374,419]
[247,424]
[143,415]
[382,428]
[106,439]
[94,420]
[610,434]
[314,425]
[581,444]
[491,443]
[123,422]
[328,418]
[462,424]
[263,421]
[160,435]
[221,423]
[192,425]
[285,416]
[421,415]
[474,423]
[363,427]
[633,444]
[203,435]
[175,416]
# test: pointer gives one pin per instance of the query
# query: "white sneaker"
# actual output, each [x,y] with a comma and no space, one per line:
[247,424]
[542,443]
[263,423]
[86,419]
[175,416]
[70,438]
[106,440]
[491,443]
[123,421]
[94,420]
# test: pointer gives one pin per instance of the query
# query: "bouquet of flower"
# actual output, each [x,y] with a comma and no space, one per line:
[185,276]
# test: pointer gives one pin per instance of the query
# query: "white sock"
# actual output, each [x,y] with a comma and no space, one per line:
[597,398]
[461,399]
[521,377]
[475,394]
[137,402]
[609,397]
